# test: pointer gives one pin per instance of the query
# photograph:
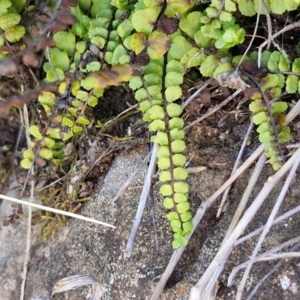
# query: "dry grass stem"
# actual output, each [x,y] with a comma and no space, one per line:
[131,177]
[268,253]
[259,283]
[246,195]
[207,82]
[216,108]
[209,278]
[142,202]
[276,221]
[268,225]
[31,199]
[236,164]
[54,210]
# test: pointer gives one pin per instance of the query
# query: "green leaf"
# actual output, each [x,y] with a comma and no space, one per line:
[77,129]
[165,176]
[246,8]
[181,187]
[163,152]
[179,47]
[144,105]
[166,190]
[82,120]
[164,163]
[277,7]
[160,138]
[260,118]
[174,110]
[144,19]
[65,41]
[93,66]
[292,84]
[28,153]
[173,93]
[178,146]
[26,163]
[183,207]
[223,68]
[168,204]
[257,106]
[172,216]
[174,66]
[278,108]
[180,197]
[138,42]
[266,126]
[175,224]
[14,34]
[176,123]
[187,227]
[190,24]
[180,173]
[47,142]
[296,65]
[273,62]
[177,134]
[157,125]
[59,59]
[9,20]
[67,121]
[284,65]
[209,65]
[225,16]
[179,160]
[135,82]
[54,75]
[125,28]
[193,58]
[82,95]
[173,78]
[34,131]
[45,153]
[186,217]
[4,4]
[266,137]
[156,112]
[92,101]
[230,6]
[270,81]
[177,7]
[179,242]
[47,98]
[158,44]
[119,54]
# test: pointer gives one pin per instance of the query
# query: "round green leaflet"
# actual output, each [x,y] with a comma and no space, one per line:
[178,146]
[172,216]
[173,93]
[168,203]
[180,173]
[165,176]
[175,224]
[181,187]
[164,163]
[166,190]
[174,110]
[180,197]
[183,207]
[177,134]
[163,151]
